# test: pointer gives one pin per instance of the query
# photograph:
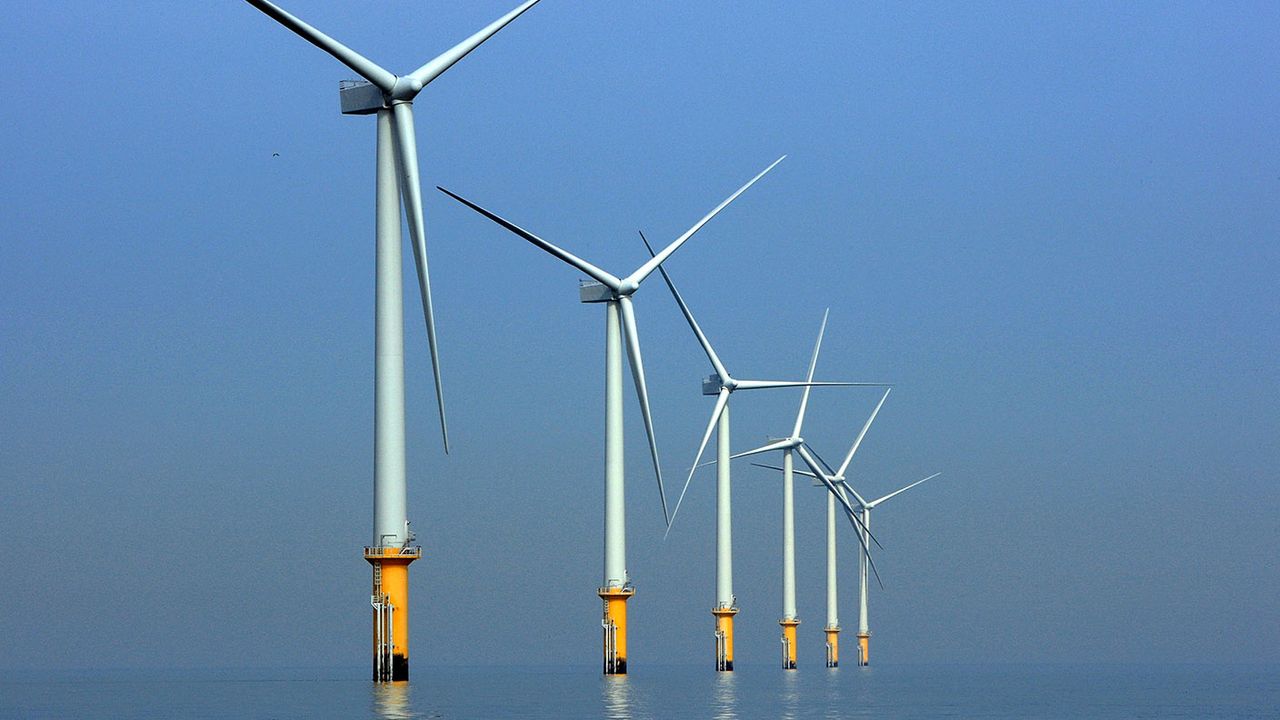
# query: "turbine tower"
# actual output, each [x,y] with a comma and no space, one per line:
[722,385]
[390,97]
[620,319]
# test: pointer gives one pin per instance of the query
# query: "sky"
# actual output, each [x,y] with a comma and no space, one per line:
[1052,226]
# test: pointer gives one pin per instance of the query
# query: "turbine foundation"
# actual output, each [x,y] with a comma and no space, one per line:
[833,647]
[864,648]
[614,625]
[789,642]
[390,601]
[724,637]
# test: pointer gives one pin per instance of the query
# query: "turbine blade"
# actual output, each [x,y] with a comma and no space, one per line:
[642,392]
[806,473]
[646,269]
[688,316]
[763,384]
[568,257]
[844,485]
[825,464]
[775,445]
[445,60]
[872,564]
[862,433]
[813,362]
[364,66]
[874,503]
[721,401]
[411,192]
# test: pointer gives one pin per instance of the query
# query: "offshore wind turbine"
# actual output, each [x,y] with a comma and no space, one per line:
[722,385]
[615,292]
[864,629]
[794,443]
[390,97]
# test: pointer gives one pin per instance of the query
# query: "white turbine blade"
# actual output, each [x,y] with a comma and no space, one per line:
[688,315]
[596,273]
[826,465]
[813,362]
[644,271]
[844,485]
[364,66]
[721,401]
[775,445]
[872,564]
[762,384]
[642,392]
[411,192]
[874,503]
[433,69]
[862,433]
[805,473]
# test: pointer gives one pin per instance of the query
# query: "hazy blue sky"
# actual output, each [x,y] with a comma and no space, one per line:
[1054,226]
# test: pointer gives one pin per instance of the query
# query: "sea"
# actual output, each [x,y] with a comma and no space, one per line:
[882,692]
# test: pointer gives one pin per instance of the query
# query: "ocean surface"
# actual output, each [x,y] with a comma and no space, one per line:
[882,692]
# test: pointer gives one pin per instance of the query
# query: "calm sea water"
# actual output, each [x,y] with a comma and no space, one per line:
[881,692]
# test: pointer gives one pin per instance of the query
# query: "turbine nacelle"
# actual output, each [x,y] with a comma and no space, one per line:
[713,384]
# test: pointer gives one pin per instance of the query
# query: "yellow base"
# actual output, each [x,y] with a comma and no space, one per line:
[391,580]
[615,628]
[724,629]
[833,647]
[864,648]
[789,642]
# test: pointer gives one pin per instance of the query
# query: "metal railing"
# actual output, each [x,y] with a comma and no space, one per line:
[392,551]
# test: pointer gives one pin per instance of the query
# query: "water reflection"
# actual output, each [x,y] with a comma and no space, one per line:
[836,708]
[391,701]
[726,702]
[619,701]
[790,694]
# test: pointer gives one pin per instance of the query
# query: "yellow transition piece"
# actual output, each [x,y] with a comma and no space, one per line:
[724,637]
[391,621]
[789,642]
[833,647]
[615,628]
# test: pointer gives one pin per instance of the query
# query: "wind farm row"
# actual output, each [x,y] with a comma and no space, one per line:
[389,97]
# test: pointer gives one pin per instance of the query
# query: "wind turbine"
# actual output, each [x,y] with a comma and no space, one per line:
[794,443]
[390,97]
[864,632]
[722,385]
[615,292]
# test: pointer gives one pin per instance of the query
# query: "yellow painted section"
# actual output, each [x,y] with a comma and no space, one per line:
[394,564]
[724,624]
[833,640]
[615,612]
[789,632]
[864,643]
